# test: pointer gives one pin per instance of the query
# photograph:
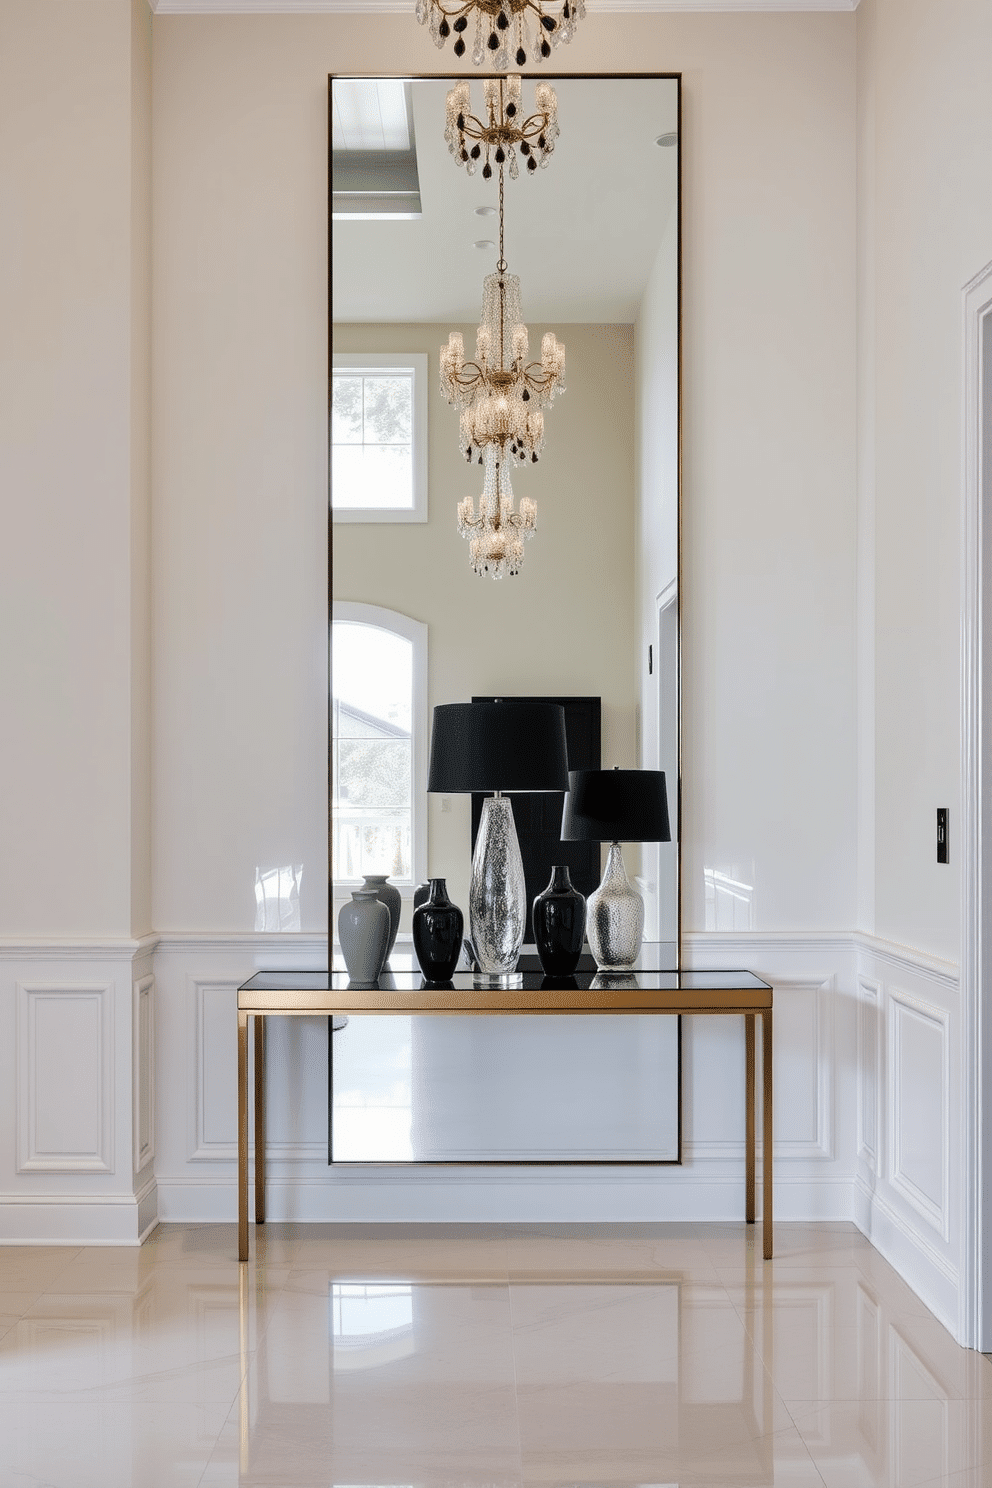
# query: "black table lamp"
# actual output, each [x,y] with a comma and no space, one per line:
[500,746]
[615,806]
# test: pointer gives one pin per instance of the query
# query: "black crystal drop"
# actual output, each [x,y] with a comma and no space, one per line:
[532,164]
[476,149]
[464,155]
[511,109]
[487,171]
[521,56]
[500,154]
[542,143]
[533,458]
[444,29]
[545,49]
[461,23]
[548,22]
[502,21]
[493,42]
[479,460]
[525,396]
[459,48]
[565,12]
[460,121]
[524,147]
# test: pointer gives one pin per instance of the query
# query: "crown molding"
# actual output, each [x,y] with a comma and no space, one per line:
[400,7]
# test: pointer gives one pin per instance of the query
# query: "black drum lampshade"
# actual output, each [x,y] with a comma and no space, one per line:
[511,746]
[616,806]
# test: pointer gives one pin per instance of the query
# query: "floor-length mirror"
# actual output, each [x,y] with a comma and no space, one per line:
[592,229]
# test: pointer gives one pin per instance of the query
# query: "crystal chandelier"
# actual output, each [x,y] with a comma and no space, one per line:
[502,398]
[506,129]
[500,25]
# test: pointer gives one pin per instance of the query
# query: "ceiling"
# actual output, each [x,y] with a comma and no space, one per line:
[582,233]
[383,7]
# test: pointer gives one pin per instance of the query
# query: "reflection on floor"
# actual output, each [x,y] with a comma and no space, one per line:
[577,1356]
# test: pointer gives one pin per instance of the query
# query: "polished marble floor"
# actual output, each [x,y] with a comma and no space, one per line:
[447,1357]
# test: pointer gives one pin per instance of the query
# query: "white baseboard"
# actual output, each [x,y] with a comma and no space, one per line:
[935,1282]
[413,1196]
[78,1219]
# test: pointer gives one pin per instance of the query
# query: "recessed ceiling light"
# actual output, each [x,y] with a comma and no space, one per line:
[666,141]
[485,211]
[485,243]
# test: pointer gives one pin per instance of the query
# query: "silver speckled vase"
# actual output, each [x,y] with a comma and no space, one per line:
[363,928]
[615,917]
[497,902]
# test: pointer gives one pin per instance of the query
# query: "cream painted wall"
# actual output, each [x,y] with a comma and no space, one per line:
[930,155]
[566,623]
[74,356]
[239,163]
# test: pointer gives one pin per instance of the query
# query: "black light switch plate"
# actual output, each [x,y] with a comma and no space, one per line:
[942,835]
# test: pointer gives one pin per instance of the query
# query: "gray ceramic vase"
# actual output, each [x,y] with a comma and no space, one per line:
[363,928]
[389,895]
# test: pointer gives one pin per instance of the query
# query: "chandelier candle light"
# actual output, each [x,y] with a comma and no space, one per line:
[502,398]
[526,26]
[506,128]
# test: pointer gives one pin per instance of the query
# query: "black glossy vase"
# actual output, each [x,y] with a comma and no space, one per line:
[559,924]
[437,933]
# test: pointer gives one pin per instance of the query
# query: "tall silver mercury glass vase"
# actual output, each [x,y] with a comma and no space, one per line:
[615,917]
[497,902]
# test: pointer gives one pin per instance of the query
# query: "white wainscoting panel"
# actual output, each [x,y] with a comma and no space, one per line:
[909,1191]
[919,1119]
[815,1040]
[804,1068]
[143,1071]
[78,1062]
[214,1111]
[65,1077]
[869,1082]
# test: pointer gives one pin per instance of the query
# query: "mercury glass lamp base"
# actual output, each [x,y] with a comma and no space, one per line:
[498,979]
[497,901]
[615,918]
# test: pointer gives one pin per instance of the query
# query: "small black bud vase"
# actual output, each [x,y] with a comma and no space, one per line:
[559,923]
[437,933]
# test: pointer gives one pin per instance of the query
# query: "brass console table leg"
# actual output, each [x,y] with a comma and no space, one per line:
[749,1117]
[259,1119]
[766,1164]
[242,1136]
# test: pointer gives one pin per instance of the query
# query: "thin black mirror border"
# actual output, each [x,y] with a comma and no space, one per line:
[453,77]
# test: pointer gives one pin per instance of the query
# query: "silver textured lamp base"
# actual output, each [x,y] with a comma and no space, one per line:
[615,918]
[497,900]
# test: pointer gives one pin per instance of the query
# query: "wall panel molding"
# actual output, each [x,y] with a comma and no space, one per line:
[911,1019]
[809,1002]
[869,1076]
[143,1070]
[901,957]
[65,1077]
[213,1105]
[40,950]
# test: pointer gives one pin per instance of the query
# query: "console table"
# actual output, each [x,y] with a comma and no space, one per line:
[281,994]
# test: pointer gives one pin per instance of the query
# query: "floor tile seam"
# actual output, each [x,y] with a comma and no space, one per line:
[516,1381]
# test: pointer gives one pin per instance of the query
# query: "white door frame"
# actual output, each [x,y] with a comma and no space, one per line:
[975,1323]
